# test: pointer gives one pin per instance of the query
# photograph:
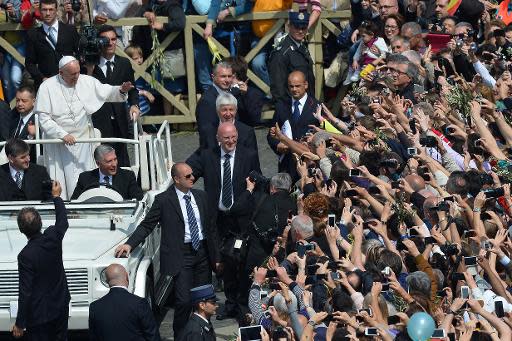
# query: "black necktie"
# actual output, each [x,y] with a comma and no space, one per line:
[18,129]
[227,186]
[106,179]
[109,68]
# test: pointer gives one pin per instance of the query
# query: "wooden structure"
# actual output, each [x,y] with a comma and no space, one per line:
[186,109]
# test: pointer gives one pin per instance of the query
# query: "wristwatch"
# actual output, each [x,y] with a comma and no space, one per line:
[477,209]
[312,323]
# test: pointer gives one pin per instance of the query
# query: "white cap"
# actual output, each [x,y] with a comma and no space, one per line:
[65,61]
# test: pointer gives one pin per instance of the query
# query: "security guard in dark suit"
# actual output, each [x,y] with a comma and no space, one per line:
[289,55]
[199,327]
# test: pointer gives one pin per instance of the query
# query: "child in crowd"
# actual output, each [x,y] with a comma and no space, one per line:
[145,96]
[370,49]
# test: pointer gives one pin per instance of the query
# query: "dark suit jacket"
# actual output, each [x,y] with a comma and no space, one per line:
[13,126]
[5,119]
[207,164]
[123,182]
[43,290]
[250,105]
[41,59]
[246,137]
[31,187]
[120,315]
[206,113]
[282,113]
[197,329]
[122,72]
[166,210]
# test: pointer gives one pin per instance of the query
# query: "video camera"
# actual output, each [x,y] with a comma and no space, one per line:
[90,45]
[76,5]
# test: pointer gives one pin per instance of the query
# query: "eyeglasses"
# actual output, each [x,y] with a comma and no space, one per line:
[390,27]
[395,71]
[188,176]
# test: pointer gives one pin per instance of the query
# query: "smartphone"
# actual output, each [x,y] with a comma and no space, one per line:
[412,232]
[438,334]
[469,261]
[267,315]
[385,287]
[311,172]
[429,240]
[498,309]
[274,286]
[311,269]
[426,176]
[441,293]
[386,272]
[451,336]
[373,190]
[263,294]
[464,292]
[251,333]
[449,199]
[332,220]
[395,184]
[458,276]
[354,172]
[469,233]
[351,193]
[494,193]
[486,245]
[369,311]
[412,125]
[412,151]
[335,276]
[302,248]
[271,273]
[370,331]
[393,319]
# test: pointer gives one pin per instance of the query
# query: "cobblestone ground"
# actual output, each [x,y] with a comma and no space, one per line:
[183,144]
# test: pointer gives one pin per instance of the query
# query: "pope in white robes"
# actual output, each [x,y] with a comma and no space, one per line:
[65,103]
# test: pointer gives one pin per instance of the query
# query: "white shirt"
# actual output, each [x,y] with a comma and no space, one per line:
[103,64]
[205,320]
[119,286]
[231,163]
[102,177]
[55,27]
[183,206]
[302,102]
[13,173]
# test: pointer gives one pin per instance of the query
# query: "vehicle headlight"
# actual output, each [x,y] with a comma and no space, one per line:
[103,277]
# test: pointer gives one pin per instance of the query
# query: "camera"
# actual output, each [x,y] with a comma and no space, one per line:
[259,179]
[76,5]
[3,6]
[90,45]
[428,141]
[449,250]
[235,90]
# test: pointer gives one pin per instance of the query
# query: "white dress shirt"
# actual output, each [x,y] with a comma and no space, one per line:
[102,177]
[183,206]
[55,27]
[103,64]
[231,163]
[302,102]
[13,173]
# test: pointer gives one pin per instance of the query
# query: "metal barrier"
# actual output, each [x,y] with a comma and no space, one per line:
[187,108]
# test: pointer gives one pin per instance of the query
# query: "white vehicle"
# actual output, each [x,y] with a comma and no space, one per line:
[99,221]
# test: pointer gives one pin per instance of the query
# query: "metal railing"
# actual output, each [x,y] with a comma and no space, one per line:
[186,108]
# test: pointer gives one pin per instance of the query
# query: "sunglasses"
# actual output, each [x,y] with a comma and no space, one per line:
[188,176]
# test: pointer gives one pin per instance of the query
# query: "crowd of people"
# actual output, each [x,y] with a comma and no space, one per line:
[389,218]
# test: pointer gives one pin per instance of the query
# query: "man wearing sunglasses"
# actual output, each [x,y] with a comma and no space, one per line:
[188,250]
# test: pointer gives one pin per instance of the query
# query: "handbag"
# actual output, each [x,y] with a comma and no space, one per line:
[173,65]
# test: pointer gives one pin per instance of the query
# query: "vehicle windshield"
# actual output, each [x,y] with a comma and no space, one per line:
[75,211]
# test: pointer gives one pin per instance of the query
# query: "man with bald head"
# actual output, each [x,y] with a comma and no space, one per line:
[293,115]
[121,315]
[188,250]
[224,170]
[65,103]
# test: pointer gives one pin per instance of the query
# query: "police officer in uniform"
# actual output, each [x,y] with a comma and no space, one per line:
[199,327]
[289,55]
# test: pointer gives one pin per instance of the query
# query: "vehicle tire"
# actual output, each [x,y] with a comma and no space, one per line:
[150,294]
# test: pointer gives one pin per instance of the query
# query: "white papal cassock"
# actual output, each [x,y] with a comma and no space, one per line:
[67,110]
